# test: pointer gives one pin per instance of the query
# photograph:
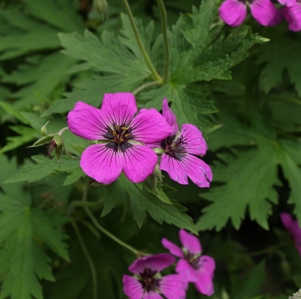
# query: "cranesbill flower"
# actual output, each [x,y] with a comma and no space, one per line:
[193,267]
[180,150]
[148,283]
[233,12]
[293,227]
[119,136]
[292,14]
[287,2]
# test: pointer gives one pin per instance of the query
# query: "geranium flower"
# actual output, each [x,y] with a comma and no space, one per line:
[193,267]
[293,227]
[148,283]
[119,136]
[180,148]
[287,2]
[233,12]
[292,14]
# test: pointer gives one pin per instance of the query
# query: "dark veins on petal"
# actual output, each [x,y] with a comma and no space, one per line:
[174,147]
[119,135]
[193,260]
[148,281]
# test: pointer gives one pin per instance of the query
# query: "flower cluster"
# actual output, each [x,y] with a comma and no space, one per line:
[293,227]
[147,282]
[233,12]
[125,138]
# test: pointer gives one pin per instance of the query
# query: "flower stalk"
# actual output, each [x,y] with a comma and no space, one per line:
[155,74]
[163,17]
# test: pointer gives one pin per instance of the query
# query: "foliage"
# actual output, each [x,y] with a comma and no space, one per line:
[240,90]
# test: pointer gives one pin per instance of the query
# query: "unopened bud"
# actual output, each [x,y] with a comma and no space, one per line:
[44,130]
[102,7]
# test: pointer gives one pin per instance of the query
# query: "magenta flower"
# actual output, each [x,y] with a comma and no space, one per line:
[293,227]
[119,136]
[292,14]
[180,148]
[193,267]
[287,2]
[233,12]
[148,283]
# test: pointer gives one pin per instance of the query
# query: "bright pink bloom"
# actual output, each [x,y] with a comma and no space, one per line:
[293,227]
[119,136]
[287,2]
[233,12]
[147,284]
[193,267]
[180,150]
[292,14]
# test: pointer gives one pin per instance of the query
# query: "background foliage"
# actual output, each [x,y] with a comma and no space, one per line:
[243,93]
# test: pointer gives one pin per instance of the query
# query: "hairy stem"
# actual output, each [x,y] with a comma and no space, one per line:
[156,76]
[88,256]
[163,16]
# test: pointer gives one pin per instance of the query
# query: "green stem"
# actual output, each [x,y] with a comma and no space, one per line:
[163,16]
[146,85]
[88,256]
[156,76]
[266,250]
[103,230]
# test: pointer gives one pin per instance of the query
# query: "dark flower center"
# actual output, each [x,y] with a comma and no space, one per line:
[119,136]
[174,147]
[193,260]
[148,281]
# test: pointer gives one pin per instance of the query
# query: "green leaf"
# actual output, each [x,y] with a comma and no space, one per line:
[31,172]
[281,54]
[250,179]
[41,76]
[254,281]
[15,112]
[61,14]
[189,106]
[27,134]
[107,54]
[22,259]
[141,202]
[290,162]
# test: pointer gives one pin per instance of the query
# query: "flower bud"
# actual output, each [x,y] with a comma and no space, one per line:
[102,7]
[44,130]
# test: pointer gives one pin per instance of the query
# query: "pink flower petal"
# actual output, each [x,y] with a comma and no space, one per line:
[198,171]
[87,122]
[233,12]
[101,163]
[150,126]
[194,141]
[293,17]
[206,265]
[170,117]
[119,107]
[174,168]
[263,11]
[204,285]
[190,242]
[172,287]
[132,287]
[152,295]
[173,248]
[139,162]
[287,2]
[186,271]
[287,221]
[156,263]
